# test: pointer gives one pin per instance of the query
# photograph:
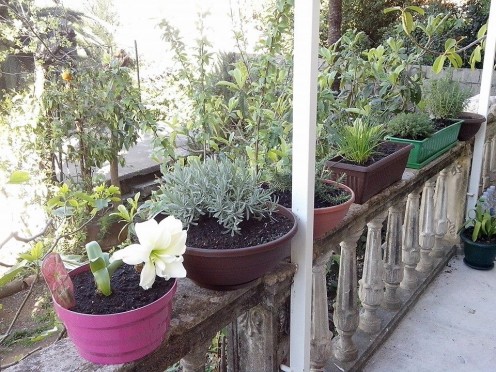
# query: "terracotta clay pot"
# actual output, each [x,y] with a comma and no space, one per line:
[115,234]
[121,337]
[326,219]
[470,126]
[227,269]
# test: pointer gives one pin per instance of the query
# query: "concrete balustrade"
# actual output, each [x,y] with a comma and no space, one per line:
[421,215]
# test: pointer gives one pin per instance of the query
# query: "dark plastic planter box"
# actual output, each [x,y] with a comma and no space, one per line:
[367,181]
[427,150]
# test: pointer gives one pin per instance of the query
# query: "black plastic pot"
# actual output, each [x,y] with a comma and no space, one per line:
[478,255]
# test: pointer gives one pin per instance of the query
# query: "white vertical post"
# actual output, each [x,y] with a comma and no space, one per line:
[485,91]
[306,36]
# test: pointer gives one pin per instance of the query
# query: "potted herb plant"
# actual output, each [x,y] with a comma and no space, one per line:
[430,136]
[90,210]
[369,163]
[119,321]
[446,98]
[332,200]
[236,233]
[479,238]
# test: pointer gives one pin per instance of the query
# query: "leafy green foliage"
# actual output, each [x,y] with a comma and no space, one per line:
[483,223]
[369,19]
[127,215]
[223,189]
[68,202]
[445,97]
[411,125]
[91,115]
[101,267]
[280,181]
[434,35]
[374,81]
[358,142]
[239,105]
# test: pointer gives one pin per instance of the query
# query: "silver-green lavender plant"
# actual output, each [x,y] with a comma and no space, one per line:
[226,190]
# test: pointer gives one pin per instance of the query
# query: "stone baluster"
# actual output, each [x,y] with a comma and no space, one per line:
[427,228]
[457,184]
[195,360]
[440,215]
[371,290]
[411,246]
[321,336]
[393,268]
[258,339]
[346,306]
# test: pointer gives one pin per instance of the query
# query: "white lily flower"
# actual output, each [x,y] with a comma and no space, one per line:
[161,246]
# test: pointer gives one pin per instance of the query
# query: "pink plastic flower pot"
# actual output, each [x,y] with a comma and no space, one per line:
[122,337]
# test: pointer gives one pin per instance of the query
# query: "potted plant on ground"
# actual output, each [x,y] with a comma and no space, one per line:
[119,321]
[419,130]
[446,98]
[236,233]
[331,203]
[369,163]
[479,238]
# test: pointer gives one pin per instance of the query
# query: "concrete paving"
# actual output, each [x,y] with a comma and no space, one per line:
[451,328]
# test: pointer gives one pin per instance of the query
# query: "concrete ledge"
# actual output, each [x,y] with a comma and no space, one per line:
[198,314]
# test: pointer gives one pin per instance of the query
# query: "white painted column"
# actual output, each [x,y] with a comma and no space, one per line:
[485,91]
[306,36]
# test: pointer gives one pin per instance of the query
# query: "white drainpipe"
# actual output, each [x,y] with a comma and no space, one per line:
[306,36]
[485,91]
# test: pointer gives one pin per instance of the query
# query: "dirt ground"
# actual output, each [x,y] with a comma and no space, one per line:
[36,317]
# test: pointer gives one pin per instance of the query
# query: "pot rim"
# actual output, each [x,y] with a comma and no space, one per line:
[254,249]
[86,267]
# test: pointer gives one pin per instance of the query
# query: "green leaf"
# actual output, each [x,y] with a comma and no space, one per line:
[475,56]
[228,84]
[392,9]
[449,44]
[18,177]
[417,9]
[455,60]
[438,64]
[482,31]
[37,251]
[10,274]
[407,21]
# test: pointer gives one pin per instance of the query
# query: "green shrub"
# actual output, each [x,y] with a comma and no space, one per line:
[281,181]
[226,190]
[358,142]
[411,125]
[445,97]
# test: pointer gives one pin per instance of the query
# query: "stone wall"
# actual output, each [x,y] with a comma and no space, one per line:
[468,77]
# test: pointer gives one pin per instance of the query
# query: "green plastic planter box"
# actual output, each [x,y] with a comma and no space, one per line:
[427,150]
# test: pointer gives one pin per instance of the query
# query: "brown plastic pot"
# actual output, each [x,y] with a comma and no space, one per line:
[367,181]
[326,219]
[227,269]
[470,126]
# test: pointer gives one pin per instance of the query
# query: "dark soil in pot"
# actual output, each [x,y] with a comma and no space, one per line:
[209,233]
[383,150]
[284,198]
[126,292]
